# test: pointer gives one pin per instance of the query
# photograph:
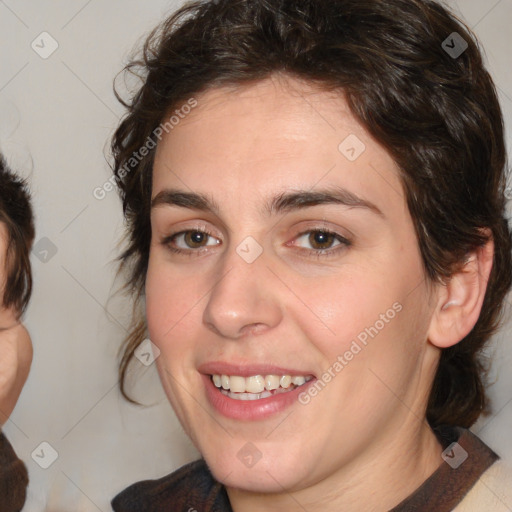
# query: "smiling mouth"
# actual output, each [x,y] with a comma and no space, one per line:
[257,387]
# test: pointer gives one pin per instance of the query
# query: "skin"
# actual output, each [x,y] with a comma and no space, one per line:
[362,443]
[15,346]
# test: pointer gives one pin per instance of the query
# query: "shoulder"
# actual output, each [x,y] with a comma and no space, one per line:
[13,477]
[191,488]
[492,491]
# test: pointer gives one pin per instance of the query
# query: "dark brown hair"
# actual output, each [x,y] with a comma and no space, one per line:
[16,214]
[436,113]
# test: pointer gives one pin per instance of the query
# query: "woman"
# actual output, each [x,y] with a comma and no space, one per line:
[314,195]
[16,237]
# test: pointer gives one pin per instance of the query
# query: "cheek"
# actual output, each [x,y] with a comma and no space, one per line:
[370,319]
[8,317]
[161,301]
[173,306]
[342,309]
[166,293]
[156,296]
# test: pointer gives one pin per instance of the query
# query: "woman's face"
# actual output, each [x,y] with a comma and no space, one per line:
[269,171]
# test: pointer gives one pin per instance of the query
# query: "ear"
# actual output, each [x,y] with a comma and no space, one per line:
[460,300]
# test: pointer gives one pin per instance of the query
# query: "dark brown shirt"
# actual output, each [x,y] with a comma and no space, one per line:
[13,478]
[192,488]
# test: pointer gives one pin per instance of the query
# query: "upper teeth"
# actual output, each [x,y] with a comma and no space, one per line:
[257,383]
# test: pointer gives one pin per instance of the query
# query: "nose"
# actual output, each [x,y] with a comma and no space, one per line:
[244,300]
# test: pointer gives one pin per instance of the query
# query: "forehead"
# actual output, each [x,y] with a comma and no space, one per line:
[4,234]
[4,240]
[269,136]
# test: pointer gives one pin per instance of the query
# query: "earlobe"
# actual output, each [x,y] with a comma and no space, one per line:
[460,300]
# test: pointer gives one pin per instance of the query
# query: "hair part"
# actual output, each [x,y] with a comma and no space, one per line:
[437,116]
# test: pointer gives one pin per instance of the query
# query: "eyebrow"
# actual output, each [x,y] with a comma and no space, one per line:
[281,203]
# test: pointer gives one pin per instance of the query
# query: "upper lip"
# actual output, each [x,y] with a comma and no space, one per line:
[248,370]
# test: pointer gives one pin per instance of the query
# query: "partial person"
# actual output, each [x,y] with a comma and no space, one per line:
[318,248]
[16,238]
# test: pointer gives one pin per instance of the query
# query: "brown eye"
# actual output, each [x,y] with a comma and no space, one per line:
[187,241]
[195,239]
[321,239]
[322,243]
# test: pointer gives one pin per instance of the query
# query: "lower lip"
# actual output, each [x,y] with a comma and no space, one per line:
[251,410]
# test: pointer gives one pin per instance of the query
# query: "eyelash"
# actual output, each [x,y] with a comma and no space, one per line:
[318,253]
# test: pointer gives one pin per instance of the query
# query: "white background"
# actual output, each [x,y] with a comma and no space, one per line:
[56,117]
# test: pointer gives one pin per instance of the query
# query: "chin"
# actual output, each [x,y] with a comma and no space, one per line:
[264,476]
